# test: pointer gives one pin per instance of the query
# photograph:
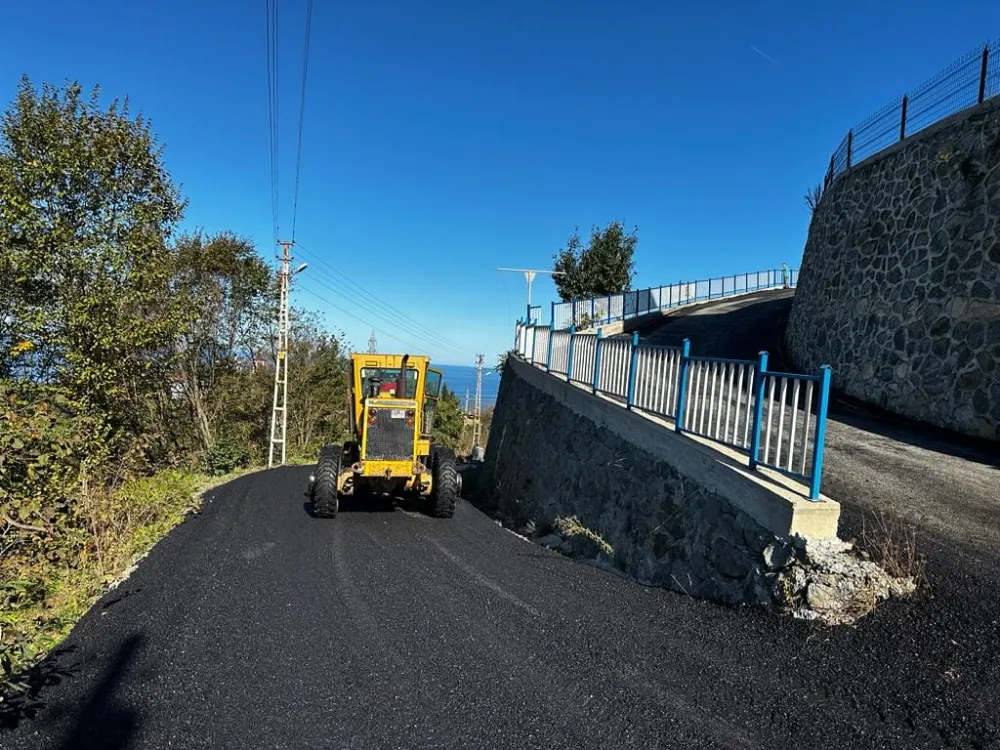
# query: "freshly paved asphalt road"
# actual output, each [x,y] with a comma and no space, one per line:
[254,625]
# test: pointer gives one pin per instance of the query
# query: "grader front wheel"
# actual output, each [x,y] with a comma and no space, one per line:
[445,488]
[325,501]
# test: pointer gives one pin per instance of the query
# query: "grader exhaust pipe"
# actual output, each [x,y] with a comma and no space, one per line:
[401,379]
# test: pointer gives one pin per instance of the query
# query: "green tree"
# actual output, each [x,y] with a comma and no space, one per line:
[227,294]
[448,420]
[86,211]
[604,266]
[317,386]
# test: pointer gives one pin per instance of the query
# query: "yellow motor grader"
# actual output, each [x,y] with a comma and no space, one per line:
[392,401]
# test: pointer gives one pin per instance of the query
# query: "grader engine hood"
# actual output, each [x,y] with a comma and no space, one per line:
[389,428]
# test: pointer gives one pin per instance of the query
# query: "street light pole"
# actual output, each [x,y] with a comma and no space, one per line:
[529,276]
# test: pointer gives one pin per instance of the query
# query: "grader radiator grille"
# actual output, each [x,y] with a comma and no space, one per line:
[390,438]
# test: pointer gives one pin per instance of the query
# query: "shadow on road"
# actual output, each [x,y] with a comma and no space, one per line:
[26,704]
[363,505]
[97,724]
[101,724]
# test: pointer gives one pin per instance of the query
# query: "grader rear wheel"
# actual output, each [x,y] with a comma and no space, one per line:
[445,488]
[325,501]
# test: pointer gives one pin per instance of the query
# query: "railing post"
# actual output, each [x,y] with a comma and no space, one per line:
[609,309]
[552,313]
[850,146]
[534,344]
[902,120]
[758,410]
[569,357]
[593,310]
[982,73]
[597,358]
[633,360]
[548,357]
[682,380]
[824,402]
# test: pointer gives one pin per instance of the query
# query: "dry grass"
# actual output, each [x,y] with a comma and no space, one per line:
[571,526]
[892,543]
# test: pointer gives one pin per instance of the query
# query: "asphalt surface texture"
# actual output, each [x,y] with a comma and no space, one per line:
[255,625]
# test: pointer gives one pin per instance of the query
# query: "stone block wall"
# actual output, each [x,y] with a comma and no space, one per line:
[899,287]
[665,521]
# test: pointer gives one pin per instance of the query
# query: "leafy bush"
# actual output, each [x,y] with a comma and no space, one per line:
[47,445]
[226,456]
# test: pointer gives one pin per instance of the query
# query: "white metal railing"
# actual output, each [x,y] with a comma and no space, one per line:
[789,425]
[719,399]
[776,419]
[559,359]
[540,351]
[612,376]
[584,351]
[657,379]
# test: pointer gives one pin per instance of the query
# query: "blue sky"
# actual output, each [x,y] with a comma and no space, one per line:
[444,138]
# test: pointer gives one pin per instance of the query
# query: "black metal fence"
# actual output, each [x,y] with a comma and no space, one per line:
[968,81]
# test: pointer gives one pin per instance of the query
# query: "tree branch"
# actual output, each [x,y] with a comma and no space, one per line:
[24,526]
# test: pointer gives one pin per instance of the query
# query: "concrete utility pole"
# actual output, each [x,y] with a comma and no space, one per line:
[529,276]
[279,409]
[372,344]
[477,423]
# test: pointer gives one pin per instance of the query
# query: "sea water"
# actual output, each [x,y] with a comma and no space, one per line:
[458,378]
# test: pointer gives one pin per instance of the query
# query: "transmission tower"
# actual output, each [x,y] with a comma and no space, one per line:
[477,421]
[279,409]
[372,344]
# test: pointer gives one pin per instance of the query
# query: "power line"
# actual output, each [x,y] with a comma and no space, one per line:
[320,297]
[411,330]
[302,112]
[269,22]
[277,120]
[402,324]
[352,287]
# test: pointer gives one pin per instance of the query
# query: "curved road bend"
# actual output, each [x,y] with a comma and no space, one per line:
[946,486]
[254,625]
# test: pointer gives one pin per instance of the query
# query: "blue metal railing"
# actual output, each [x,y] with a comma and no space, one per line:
[776,419]
[594,311]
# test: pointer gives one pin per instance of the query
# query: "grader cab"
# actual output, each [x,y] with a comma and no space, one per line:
[392,402]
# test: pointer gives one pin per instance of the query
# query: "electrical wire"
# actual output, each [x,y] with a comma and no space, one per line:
[277,120]
[403,326]
[302,112]
[271,122]
[405,342]
[351,287]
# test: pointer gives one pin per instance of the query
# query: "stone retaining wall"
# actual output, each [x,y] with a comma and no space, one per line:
[663,508]
[899,287]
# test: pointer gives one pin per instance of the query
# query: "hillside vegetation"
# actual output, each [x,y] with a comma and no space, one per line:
[136,363]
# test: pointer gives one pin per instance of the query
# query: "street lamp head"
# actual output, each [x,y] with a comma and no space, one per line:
[301,268]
